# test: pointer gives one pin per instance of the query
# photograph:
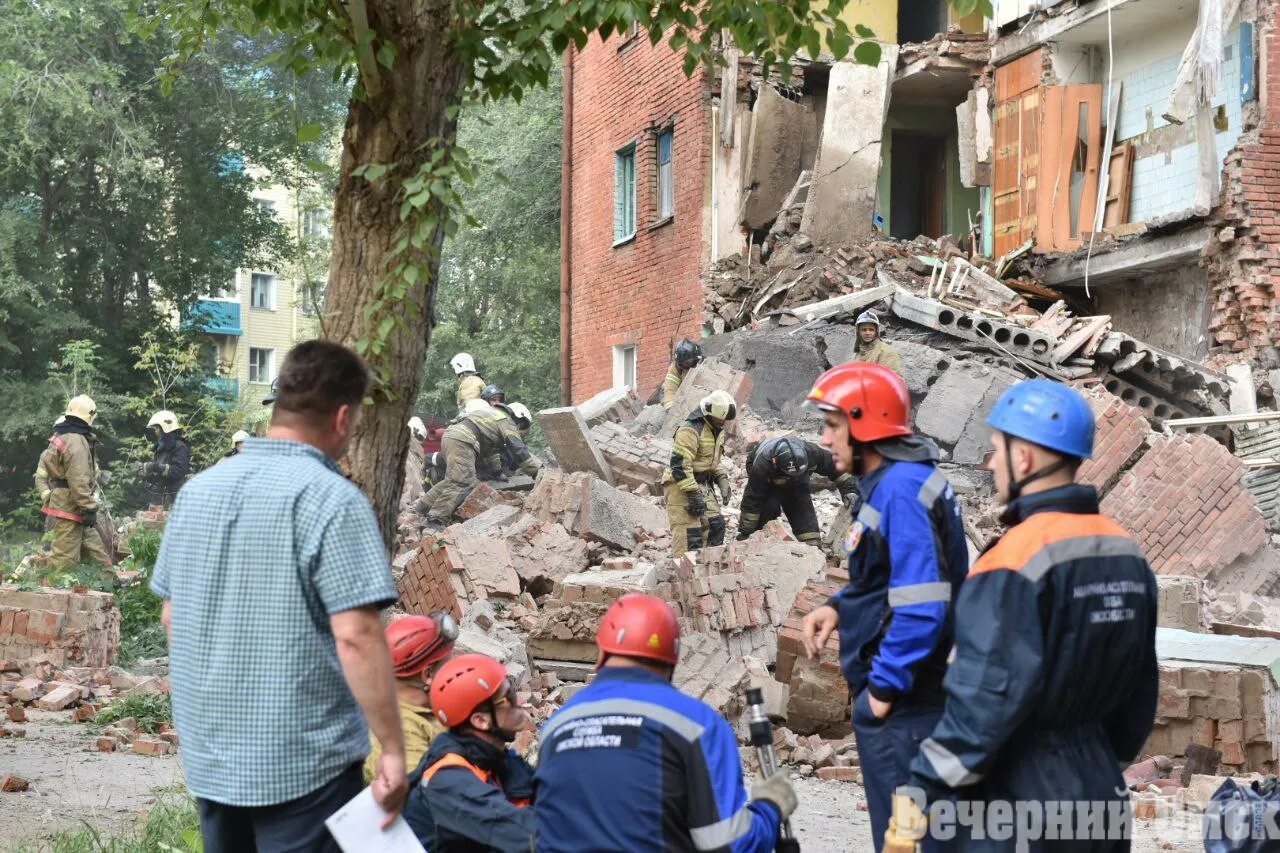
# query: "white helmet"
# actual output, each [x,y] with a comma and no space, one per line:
[521,411]
[868,317]
[239,436]
[719,404]
[82,407]
[463,363]
[417,428]
[478,407]
[166,420]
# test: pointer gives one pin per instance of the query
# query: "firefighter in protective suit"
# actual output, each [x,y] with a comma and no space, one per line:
[171,463]
[1054,683]
[873,348]
[695,473]
[630,763]
[67,479]
[907,560]
[778,472]
[477,439]
[470,383]
[685,358]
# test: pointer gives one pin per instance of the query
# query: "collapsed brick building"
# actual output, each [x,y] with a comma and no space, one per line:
[1119,154]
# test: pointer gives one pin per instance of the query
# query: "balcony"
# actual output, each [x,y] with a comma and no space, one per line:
[214,316]
[224,389]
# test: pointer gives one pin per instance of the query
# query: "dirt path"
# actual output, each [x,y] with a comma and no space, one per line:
[72,784]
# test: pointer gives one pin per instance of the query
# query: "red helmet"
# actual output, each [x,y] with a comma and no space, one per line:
[418,641]
[873,396]
[463,684]
[640,626]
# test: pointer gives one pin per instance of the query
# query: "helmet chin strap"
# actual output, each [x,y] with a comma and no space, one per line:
[1016,486]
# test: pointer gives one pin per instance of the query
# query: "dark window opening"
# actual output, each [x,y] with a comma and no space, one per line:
[920,20]
[917,180]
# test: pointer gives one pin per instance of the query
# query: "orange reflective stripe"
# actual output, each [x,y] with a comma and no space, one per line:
[455,760]
[58,513]
[1016,548]
[56,441]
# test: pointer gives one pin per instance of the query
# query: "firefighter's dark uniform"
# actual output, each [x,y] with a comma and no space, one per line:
[469,796]
[770,493]
[695,466]
[630,765]
[168,468]
[1054,683]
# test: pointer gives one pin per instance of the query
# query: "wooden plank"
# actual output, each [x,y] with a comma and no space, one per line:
[1231,629]
[1119,186]
[1081,336]
[1108,146]
[1014,181]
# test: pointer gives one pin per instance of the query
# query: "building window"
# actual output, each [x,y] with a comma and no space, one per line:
[315,224]
[262,291]
[624,195]
[266,205]
[624,366]
[666,180]
[313,298]
[262,365]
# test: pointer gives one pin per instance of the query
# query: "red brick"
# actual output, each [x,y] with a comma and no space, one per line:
[105,744]
[150,746]
[12,784]
[15,714]
[842,774]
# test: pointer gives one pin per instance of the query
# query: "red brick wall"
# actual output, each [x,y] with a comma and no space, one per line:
[1243,255]
[648,291]
[1122,430]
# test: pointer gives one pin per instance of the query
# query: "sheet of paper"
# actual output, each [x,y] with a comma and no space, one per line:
[356,828]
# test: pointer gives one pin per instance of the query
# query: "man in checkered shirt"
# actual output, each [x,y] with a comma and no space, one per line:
[273,572]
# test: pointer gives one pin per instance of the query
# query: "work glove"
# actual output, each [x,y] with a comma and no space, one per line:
[722,483]
[778,791]
[44,497]
[156,469]
[697,504]
[138,468]
[89,518]
[906,825]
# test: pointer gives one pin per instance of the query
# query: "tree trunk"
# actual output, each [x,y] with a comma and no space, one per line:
[409,108]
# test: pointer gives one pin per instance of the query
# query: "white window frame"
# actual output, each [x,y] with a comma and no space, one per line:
[666,176]
[624,194]
[315,223]
[626,358]
[270,365]
[271,293]
[266,205]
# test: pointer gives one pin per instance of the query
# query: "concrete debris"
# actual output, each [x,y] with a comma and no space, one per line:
[1179,605]
[482,633]
[782,370]
[480,499]
[543,552]
[566,632]
[638,461]
[613,405]
[594,510]
[709,672]
[710,375]
[570,440]
[954,413]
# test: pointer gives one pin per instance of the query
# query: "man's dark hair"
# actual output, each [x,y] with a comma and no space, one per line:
[318,378]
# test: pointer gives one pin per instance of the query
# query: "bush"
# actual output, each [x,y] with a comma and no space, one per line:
[149,709]
[141,632]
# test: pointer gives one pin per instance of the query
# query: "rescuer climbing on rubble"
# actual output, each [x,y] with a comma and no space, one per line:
[470,383]
[1054,683]
[686,357]
[695,473]
[476,439]
[419,646]
[470,792]
[630,763]
[493,395]
[778,471]
[67,479]
[907,559]
[871,347]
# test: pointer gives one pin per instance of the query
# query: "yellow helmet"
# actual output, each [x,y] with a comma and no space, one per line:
[83,407]
[719,404]
[166,420]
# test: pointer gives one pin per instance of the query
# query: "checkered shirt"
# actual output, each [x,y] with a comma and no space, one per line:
[258,552]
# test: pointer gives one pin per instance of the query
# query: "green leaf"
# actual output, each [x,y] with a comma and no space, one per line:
[387,55]
[864,31]
[372,171]
[309,133]
[867,53]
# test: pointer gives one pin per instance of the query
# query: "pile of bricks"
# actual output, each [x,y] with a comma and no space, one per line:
[40,684]
[128,734]
[66,627]
[1184,503]
[591,509]
[1220,707]
[1122,431]
[819,693]
[638,461]
[814,755]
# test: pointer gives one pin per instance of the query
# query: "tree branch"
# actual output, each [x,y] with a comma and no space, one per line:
[366,60]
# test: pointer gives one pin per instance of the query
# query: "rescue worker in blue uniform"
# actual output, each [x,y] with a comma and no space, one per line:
[470,793]
[631,764]
[907,559]
[1054,683]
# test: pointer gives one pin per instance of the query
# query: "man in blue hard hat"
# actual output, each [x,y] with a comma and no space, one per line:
[1053,685]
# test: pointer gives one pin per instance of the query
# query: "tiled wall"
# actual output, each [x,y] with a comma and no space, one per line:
[1166,182]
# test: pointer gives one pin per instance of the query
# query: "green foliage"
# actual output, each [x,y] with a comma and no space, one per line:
[149,709]
[142,634]
[171,826]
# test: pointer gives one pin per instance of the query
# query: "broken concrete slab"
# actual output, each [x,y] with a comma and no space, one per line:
[955,410]
[613,405]
[492,519]
[708,672]
[710,375]
[775,156]
[570,441]
[566,632]
[594,510]
[782,367]
[608,583]
[921,363]
[842,195]
[543,552]
[1179,603]
[649,421]
[638,461]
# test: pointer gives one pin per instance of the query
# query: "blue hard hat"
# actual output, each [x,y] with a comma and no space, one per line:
[1047,413]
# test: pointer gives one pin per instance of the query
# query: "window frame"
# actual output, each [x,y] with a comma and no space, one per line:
[664,188]
[624,185]
[622,353]
[272,292]
[270,365]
